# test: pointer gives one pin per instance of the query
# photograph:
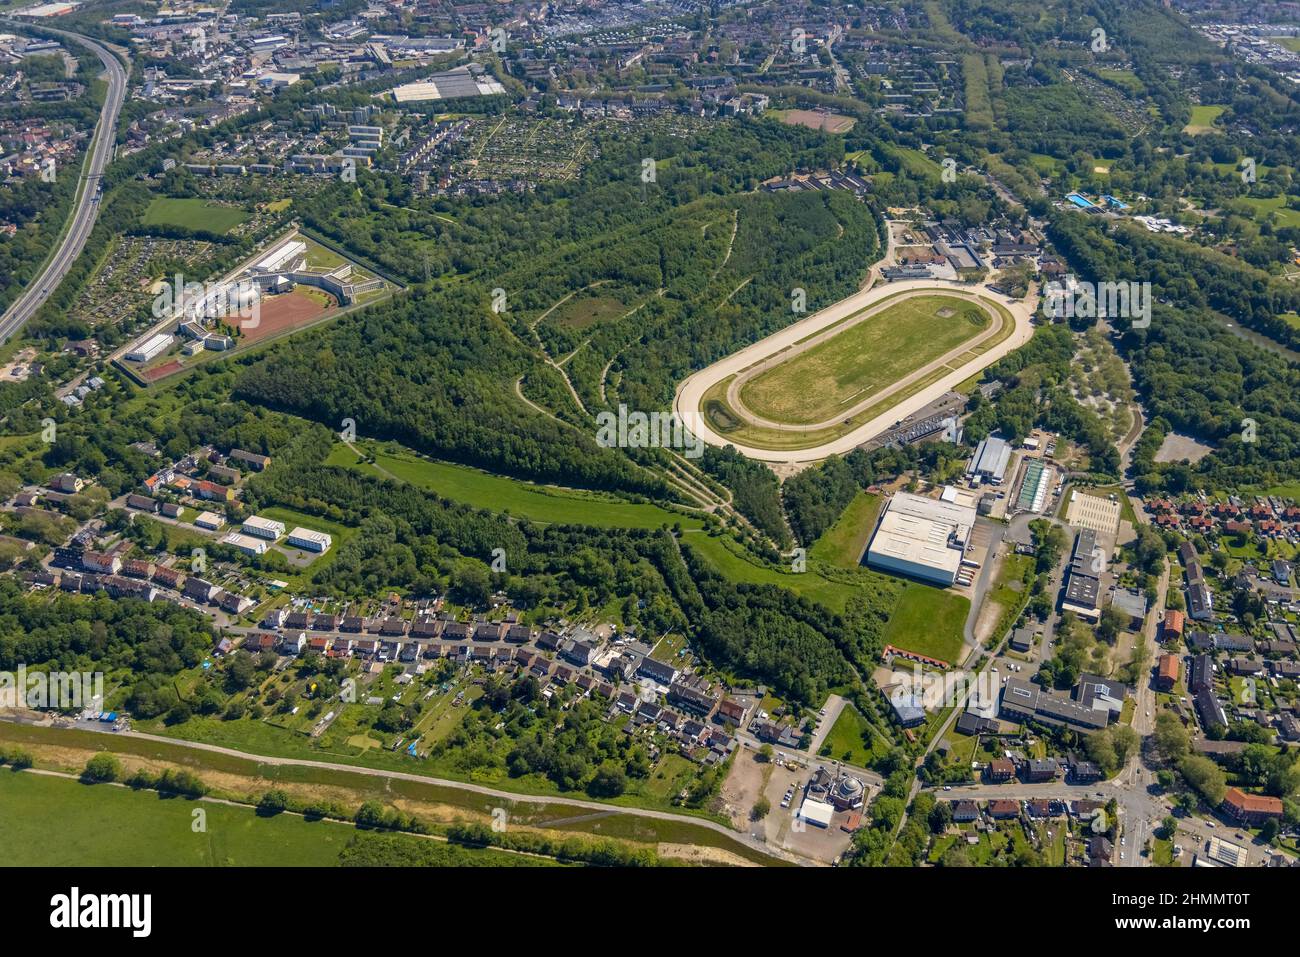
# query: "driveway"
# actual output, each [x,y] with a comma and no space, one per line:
[834,705]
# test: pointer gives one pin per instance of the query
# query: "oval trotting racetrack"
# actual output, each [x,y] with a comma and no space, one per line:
[831,382]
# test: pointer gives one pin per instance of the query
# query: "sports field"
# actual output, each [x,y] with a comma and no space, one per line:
[823,120]
[825,384]
[284,312]
[842,371]
[192,214]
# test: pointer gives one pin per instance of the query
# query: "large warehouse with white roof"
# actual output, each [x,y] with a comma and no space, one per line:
[989,464]
[921,537]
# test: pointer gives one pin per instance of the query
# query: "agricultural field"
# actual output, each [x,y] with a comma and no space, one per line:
[875,352]
[192,213]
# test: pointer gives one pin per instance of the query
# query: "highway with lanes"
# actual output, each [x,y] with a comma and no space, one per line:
[86,204]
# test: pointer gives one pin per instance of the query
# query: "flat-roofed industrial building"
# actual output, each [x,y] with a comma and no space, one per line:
[309,539]
[263,527]
[146,349]
[921,537]
[990,461]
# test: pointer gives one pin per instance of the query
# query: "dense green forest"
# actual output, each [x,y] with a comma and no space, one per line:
[1193,374]
[144,643]
[700,267]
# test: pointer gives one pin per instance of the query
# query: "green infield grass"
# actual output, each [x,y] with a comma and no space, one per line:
[865,358]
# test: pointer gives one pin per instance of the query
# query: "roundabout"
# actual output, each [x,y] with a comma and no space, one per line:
[828,383]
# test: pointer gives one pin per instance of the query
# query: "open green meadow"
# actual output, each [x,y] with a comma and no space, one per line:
[915,162]
[582,312]
[537,503]
[844,542]
[1203,119]
[104,825]
[929,621]
[1266,208]
[198,214]
[834,593]
[385,790]
[853,740]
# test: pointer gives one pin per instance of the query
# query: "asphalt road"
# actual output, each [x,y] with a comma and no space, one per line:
[86,208]
[1140,810]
